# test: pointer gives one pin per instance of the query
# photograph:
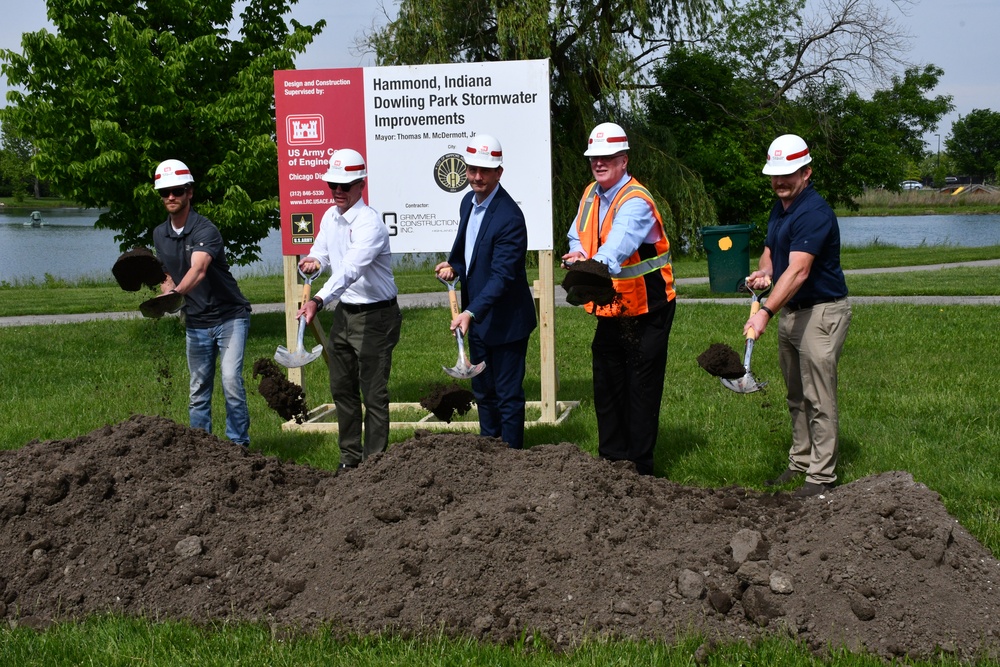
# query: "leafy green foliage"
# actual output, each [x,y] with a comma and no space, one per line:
[975,142]
[123,85]
[599,54]
[719,124]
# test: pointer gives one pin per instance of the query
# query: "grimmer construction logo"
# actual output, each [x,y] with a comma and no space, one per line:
[303,229]
[304,129]
[449,172]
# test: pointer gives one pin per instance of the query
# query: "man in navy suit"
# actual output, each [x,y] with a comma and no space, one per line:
[498,310]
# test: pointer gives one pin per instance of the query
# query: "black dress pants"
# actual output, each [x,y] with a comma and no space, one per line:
[630,361]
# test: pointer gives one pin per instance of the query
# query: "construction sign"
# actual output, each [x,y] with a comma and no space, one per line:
[412,125]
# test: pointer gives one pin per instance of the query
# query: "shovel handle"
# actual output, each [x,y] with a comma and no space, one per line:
[456,310]
[754,309]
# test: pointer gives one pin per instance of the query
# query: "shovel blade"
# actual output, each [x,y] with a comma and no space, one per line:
[744,385]
[296,359]
[464,373]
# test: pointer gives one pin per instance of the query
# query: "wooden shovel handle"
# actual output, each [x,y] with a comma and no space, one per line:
[306,291]
[456,310]
[754,309]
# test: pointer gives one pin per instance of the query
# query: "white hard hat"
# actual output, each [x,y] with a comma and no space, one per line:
[346,166]
[606,139]
[171,174]
[786,155]
[484,151]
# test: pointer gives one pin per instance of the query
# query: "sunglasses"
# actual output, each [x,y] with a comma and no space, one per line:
[176,192]
[346,187]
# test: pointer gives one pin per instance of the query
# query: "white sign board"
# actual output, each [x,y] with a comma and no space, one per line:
[412,124]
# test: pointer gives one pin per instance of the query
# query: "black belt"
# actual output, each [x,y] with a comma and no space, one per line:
[355,308]
[803,305]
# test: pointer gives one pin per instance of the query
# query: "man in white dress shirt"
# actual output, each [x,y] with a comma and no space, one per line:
[354,243]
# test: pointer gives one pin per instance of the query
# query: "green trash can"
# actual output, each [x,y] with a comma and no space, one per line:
[728,249]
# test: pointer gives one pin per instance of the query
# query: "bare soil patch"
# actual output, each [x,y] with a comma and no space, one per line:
[461,534]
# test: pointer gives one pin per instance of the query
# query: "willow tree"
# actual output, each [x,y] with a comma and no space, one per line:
[123,84]
[600,52]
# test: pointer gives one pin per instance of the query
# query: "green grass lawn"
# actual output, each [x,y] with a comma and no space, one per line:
[917,393]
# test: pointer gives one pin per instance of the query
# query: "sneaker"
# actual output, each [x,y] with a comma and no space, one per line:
[784,478]
[809,489]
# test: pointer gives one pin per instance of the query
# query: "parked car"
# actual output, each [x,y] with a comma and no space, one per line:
[911,185]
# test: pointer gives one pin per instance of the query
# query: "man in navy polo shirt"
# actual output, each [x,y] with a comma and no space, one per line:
[802,257]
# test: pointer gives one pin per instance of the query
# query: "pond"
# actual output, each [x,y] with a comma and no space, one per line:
[909,231]
[66,245]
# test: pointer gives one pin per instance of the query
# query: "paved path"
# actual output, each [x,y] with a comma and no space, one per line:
[440,299]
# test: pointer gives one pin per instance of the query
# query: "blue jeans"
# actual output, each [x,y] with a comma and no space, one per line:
[227,342]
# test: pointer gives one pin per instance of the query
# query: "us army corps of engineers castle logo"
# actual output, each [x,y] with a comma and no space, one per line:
[449,172]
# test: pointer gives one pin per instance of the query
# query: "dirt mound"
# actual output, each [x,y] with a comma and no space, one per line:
[460,533]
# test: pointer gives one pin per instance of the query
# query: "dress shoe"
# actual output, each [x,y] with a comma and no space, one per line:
[784,478]
[809,489]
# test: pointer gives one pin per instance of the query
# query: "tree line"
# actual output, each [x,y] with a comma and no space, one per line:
[701,86]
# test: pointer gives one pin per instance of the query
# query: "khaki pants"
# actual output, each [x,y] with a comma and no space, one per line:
[809,344]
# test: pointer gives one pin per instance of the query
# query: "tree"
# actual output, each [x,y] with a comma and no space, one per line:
[15,171]
[765,69]
[974,143]
[856,44]
[600,53]
[124,84]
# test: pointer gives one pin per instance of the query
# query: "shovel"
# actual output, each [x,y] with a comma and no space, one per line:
[748,383]
[462,370]
[299,357]
[161,305]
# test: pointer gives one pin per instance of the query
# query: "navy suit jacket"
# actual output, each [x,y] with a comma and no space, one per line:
[495,284]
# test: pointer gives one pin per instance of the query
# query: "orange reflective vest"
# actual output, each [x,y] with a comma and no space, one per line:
[646,280]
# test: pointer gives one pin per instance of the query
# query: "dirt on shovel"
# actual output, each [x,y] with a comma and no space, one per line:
[722,361]
[587,281]
[136,268]
[283,396]
[445,400]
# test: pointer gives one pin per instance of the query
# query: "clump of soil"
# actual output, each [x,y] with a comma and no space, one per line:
[722,361]
[136,268]
[459,534]
[283,396]
[445,400]
[588,280]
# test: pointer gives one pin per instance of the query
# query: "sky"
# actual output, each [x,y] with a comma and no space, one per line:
[956,35]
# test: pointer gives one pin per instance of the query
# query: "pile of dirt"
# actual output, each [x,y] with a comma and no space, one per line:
[722,361]
[460,534]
